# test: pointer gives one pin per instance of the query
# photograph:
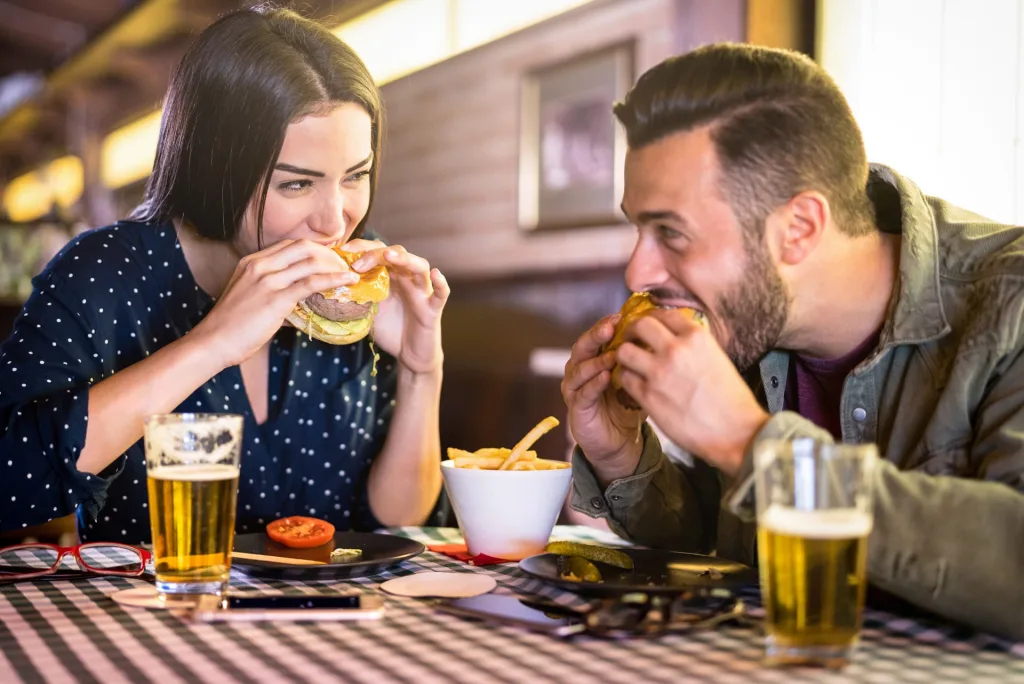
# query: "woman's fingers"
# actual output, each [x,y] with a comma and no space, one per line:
[441,290]
[264,263]
[284,278]
[360,245]
[312,283]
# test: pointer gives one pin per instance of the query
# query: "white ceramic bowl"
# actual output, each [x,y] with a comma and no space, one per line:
[506,514]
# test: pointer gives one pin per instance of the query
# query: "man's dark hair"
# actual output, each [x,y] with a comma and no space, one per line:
[242,82]
[779,123]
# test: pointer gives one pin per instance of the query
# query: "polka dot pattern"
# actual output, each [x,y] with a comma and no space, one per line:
[112,297]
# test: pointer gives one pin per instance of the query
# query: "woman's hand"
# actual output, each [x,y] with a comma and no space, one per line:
[409,323]
[263,290]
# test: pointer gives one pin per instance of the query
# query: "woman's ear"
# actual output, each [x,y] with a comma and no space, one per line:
[795,228]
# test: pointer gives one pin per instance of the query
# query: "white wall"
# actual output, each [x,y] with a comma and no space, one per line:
[938,89]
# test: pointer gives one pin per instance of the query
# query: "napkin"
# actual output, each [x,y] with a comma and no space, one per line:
[460,552]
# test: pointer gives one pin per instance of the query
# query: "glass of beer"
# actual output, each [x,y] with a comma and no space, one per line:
[192,466]
[814,514]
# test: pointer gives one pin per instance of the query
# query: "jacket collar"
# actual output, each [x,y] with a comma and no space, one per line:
[916,314]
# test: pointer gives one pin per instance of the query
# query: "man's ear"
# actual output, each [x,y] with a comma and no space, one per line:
[794,229]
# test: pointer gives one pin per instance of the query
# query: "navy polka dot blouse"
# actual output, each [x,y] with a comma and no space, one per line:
[112,297]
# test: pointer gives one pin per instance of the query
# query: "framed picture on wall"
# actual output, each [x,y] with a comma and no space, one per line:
[571,148]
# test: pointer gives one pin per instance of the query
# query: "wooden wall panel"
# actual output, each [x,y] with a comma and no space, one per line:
[449,178]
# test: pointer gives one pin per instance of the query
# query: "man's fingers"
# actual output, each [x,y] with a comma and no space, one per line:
[634,384]
[579,374]
[589,344]
[635,359]
[591,391]
[650,334]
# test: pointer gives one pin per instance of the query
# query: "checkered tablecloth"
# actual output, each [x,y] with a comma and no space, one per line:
[66,631]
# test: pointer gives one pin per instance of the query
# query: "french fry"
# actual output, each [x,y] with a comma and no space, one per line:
[547,464]
[482,462]
[454,453]
[465,459]
[539,464]
[487,452]
[526,442]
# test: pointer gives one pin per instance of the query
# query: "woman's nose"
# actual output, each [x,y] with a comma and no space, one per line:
[330,220]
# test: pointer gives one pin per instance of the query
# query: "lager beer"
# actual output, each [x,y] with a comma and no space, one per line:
[192,466]
[193,522]
[813,579]
[814,515]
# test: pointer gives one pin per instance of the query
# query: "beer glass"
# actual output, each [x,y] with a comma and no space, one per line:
[814,514]
[192,465]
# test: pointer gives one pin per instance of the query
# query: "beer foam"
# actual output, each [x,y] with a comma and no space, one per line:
[194,473]
[841,523]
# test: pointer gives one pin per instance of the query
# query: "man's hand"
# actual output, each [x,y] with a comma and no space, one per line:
[679,375]
[607,433]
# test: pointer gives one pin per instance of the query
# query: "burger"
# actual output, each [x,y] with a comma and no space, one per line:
[638,305]
[345,314]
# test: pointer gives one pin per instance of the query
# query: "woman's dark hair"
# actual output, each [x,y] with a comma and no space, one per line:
[238,87]
[779,123]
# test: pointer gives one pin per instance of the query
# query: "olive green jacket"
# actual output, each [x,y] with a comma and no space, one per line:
[942,396]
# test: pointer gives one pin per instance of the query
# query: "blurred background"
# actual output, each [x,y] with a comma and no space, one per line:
[501,164]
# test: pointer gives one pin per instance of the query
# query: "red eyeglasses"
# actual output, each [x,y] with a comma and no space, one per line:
[24,561]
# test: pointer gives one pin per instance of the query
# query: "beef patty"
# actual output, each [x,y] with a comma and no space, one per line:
[335,310]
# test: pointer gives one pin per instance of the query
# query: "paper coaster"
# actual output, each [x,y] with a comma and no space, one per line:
[139,597]
[147,597]
[440,585]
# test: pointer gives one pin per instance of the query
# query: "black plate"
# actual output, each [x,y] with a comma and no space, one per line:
[380,551]
[654,572]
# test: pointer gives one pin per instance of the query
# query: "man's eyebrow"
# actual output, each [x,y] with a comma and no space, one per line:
[662,215]
[299,170]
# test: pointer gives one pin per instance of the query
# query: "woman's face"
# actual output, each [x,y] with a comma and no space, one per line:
[320,187]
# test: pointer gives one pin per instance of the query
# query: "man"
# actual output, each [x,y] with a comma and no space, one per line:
[843,304]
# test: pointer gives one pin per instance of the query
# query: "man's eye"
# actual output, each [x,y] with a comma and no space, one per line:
[667,233]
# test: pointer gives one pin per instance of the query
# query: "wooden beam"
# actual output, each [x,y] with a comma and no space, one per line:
[25,59]
[31,27]
[93,13]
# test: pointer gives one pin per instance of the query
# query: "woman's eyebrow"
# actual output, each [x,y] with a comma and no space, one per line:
[295,169]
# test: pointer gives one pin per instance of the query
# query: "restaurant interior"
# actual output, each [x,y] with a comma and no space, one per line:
[501,165]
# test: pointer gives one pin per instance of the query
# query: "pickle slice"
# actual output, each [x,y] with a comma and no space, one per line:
[599,554]
[577,569]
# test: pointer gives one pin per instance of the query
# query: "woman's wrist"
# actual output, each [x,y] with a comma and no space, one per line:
[205,345]
[420,378]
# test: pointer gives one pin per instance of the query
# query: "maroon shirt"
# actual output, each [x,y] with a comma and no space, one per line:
[815,386]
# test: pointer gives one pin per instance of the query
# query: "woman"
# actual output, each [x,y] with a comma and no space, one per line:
[268,153]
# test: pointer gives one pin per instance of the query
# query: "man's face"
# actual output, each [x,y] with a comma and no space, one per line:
[692,250]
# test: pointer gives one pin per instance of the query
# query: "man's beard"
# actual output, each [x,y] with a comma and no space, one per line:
[755,309]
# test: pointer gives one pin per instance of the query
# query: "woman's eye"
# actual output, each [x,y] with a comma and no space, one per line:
[295,186]
[358,176]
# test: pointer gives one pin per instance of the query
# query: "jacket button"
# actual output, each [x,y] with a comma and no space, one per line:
[775,382]
[859,414]
[597,504]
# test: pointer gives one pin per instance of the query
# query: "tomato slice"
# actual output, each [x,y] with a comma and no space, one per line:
[300,532]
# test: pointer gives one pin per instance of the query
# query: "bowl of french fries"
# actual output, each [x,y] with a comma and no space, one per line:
[507,500]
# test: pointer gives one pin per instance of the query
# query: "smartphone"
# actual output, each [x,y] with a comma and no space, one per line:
[252,608]
[512,610]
